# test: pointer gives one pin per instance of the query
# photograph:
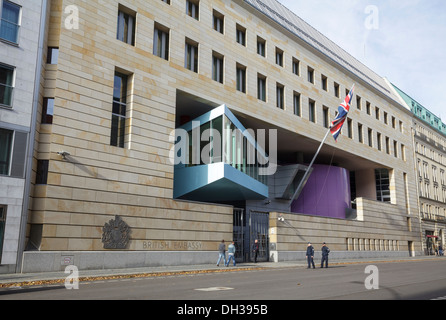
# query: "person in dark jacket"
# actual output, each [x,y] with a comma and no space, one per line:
[310,255]
[255,249]
[325,252]
[221,252]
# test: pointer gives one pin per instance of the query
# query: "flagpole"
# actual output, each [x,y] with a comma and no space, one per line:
[307,172]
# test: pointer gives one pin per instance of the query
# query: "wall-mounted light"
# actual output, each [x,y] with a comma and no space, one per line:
[64,154]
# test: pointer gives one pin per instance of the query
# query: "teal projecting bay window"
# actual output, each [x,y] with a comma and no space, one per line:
[220,160]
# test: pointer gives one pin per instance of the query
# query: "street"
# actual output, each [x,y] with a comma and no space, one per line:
[420,280]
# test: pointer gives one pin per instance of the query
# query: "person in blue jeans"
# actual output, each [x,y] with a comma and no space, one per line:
[221,252]
[231,253]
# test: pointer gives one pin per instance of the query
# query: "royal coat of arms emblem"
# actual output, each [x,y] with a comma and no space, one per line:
[116,234]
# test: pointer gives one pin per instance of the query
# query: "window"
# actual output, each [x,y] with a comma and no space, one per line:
[47,110]
[191,55]
[296,104]
[218,21]
[370,137]
[360,137]
[217,67]
[296,67]
[382,179]
[395,148]
[350,128]
[241,78]
[166,1]
[378,141]
[119,110]
[368,108]
[126,25]
[241,35]
[310,74]
[9,26]
[279,57]
[387,145]
[261,87]
[53,55]
[358,102]
[192,8]
[312,111]
[326,114]
[336,90]
[2,227]
[6,137]
[280,96]
[261,45]
[6,85]
[161,42]
[42,171]
[386,120]
[324,81]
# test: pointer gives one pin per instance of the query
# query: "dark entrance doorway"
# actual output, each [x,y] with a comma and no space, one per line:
[249,226]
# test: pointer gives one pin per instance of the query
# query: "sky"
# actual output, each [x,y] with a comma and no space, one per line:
[402,40]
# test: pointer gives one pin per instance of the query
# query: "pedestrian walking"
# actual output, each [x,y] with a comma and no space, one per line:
[255,249]
[231,253]
[221,252]
[310,255]
[325,252]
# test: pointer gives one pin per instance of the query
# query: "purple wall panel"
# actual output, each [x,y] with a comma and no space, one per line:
[326,194]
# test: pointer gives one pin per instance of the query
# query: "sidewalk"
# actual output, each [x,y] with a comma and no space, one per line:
[49,278]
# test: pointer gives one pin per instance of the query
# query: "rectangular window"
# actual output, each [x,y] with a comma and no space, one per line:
[387,145]
[310,74]
[161,42]
[6,85]
[395,149]
[336,90]
[42,171]
[126,25]
[279,57]
[2,227]
[6,139]
[10,22]
[261,87]
[217,67]
[296,67]
[358,103]
[53,55]
[326,114]
[360,137]
[382,179]
[350,128]
[297,104]
[47,110]
[218,21]
[368,108]
[312,111]
[378,141]
[191,56]
[241,78]
[280,96]
[324,82]
[370,137]
[166,1]
[377,113]
[119,110]
[192,8]
[241,35]
[261,45]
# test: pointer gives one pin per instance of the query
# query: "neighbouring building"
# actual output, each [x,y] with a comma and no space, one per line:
[20,55]
[164,127]
[430,157]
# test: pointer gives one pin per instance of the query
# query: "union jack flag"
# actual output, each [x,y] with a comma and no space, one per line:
[343,109]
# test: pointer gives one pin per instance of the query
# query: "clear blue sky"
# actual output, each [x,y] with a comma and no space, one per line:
[402,40]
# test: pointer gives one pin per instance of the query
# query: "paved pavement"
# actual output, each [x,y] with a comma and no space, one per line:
[47,278]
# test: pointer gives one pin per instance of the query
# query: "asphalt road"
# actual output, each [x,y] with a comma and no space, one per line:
[417,280]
